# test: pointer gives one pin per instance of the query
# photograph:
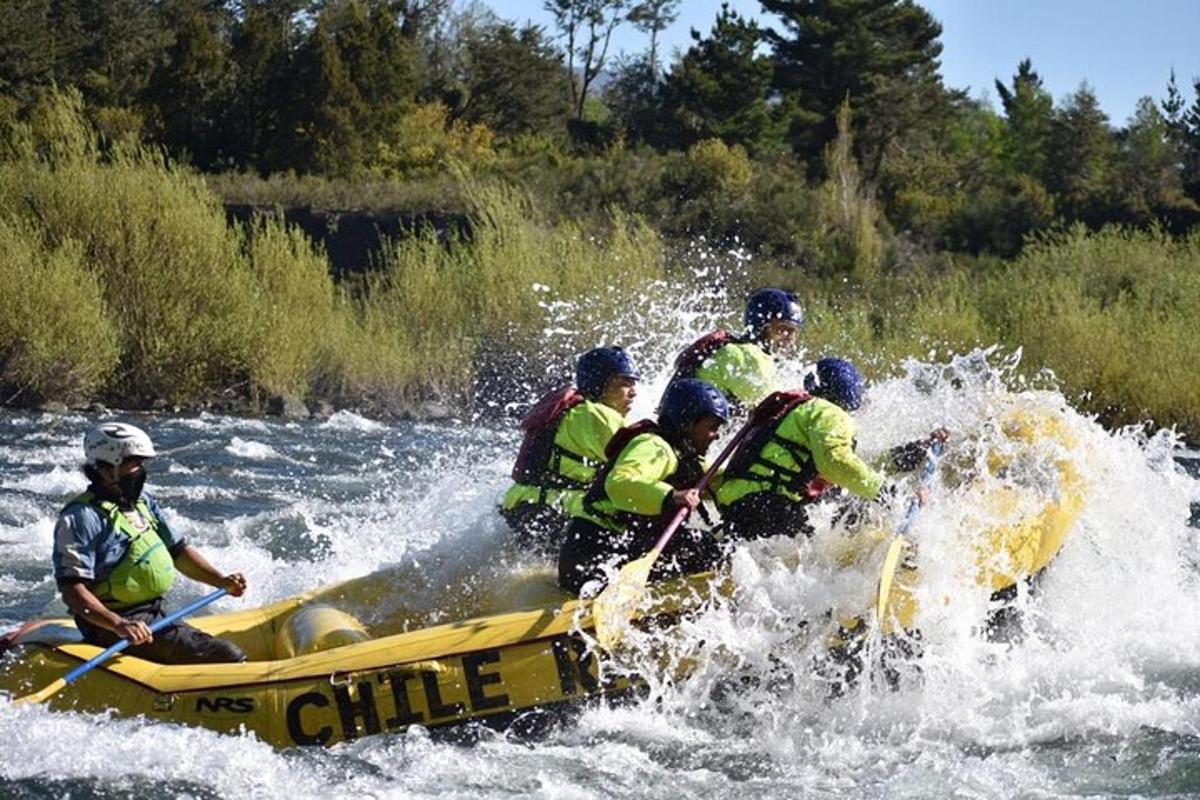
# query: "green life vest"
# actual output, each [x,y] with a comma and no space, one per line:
[146,571]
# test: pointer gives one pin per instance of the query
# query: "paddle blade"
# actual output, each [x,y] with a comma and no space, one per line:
[614,605]
[887,575]
[43,695]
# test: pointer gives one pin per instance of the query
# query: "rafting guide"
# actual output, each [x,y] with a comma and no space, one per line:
[115,557]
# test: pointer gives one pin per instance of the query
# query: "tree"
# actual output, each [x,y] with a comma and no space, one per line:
[444,47]
[587,27]
[720,87]
[327,119]
[514,82]
[32,47]
[263,44]
[653,17]
[1149,183]
[188,90]
[882,55]
[1081,158]
[1190,137]
[634,99]
[1029,117]
[123,39]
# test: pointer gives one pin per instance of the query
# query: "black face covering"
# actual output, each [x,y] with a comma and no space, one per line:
[131,485]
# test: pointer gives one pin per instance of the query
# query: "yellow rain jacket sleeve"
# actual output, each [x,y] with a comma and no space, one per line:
[831,441]
[827,433]
[637,481]
[584,431]
[743,371]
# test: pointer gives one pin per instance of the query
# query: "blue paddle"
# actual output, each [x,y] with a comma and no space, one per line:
[97,660]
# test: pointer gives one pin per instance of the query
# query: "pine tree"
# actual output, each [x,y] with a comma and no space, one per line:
[1149,184]
[1190,130]
[653,17]
[1082,158]
[720,87]
[586,27]
[1029,117]
[515,82]
[881,55]
[256,129]
[189,89]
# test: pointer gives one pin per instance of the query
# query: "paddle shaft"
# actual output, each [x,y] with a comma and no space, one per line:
[155,626]
[931,462]
[892,557]
[683,511]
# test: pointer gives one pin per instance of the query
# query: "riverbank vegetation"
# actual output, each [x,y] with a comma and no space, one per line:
[909,216]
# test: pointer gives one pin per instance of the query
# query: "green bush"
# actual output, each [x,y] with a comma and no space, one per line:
[172,275]
[58,338]
[296,308]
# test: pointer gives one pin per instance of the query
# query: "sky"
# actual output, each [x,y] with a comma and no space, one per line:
[1123,49]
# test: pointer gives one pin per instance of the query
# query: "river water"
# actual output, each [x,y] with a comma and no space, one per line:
[1102,697]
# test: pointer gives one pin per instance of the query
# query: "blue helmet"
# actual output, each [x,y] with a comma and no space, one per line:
[595,367]
[838,381]
[772,305]
[688,399]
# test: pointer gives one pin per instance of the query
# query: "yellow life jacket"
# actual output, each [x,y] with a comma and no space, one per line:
[146,571]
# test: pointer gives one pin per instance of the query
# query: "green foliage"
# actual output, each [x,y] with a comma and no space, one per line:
[881,56]
[1029,118]
[720,89]
[169,267]
[1082,156]
[425,141]
[515,83]
[296,308]
[58,338]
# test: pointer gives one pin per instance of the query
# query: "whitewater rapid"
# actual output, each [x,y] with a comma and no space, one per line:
[1101,697]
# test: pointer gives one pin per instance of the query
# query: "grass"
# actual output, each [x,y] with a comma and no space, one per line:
[120,280]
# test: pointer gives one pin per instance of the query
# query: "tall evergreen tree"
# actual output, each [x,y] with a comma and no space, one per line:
[515,82]
[1029,117]
[720,87]
[586,27]
[33,45]
[882,55]
[328,112]
[189,89]
[653,17]
[123,40]
[1082,158]
[1190,145]
[255,124]
[1149,183]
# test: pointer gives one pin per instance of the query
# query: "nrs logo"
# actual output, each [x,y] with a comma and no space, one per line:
[229,705]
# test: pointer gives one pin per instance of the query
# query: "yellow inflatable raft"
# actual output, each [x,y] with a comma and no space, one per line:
[317,676]
[1016,515]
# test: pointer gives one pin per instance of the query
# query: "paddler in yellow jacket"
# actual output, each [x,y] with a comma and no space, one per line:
[651,470]
[565,436]
[115,557]
[803,445]
[743,367]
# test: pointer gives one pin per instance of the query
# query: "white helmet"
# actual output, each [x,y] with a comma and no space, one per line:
[113,442]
